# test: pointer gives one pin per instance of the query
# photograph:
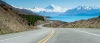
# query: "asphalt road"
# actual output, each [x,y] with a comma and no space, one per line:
[75,35]
[32,36]
[54,35]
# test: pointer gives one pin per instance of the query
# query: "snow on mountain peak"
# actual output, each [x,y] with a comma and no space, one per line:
[35,7]
[53,8]
[50,7]
[86,7]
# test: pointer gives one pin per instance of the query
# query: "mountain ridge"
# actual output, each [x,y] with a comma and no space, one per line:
[50,10]
[82,11]
[60,11]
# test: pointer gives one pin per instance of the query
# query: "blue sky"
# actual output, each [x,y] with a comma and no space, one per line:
[45,3]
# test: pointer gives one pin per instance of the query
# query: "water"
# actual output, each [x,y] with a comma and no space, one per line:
[70,18]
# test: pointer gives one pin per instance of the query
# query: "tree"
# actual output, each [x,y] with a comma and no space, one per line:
[99,15]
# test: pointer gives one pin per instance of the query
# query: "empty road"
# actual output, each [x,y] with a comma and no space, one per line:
[54,35]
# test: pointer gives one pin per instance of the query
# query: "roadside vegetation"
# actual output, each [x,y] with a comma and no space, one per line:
[31,18]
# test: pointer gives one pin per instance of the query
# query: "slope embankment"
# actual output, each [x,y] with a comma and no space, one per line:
[11,21]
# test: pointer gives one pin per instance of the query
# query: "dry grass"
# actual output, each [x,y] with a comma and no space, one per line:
[90,23]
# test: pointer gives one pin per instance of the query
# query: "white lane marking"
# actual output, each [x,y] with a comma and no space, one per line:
[86,32]
[10,38]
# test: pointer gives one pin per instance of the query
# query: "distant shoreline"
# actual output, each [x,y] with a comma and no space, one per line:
[69,18]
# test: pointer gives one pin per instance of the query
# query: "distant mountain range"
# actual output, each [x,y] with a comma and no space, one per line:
[82,11]
[53,10]
[50,10]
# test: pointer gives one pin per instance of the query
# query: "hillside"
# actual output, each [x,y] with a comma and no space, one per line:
[12,21]
[90,23]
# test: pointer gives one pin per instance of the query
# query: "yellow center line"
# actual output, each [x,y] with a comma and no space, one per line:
[47,38]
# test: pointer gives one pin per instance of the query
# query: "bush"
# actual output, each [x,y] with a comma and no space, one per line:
[99,16]
[32,18]
[90,27]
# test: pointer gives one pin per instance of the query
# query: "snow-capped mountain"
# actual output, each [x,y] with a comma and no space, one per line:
[87,7]
[51,7]
[53,10]
[83,11]
[50,10]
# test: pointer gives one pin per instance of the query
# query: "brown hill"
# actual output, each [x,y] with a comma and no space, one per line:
[12,21]
[90,23]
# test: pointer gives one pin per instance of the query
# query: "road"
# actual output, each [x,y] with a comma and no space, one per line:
[54,35]
[75,35]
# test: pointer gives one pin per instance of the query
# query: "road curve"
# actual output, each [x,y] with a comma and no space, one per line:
[75,35]
[32,36]
[54,35]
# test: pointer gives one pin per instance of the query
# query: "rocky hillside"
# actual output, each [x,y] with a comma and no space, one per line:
[90,23]
[12,21]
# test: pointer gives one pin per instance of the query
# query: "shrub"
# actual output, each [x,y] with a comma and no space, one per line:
[32,18]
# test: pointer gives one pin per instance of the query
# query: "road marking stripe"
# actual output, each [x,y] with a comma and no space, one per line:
[10,38]
[47,38]
[86,32]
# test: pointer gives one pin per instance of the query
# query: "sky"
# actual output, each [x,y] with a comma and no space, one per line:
[45,3]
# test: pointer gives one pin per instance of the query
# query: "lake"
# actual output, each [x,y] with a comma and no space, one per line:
[70,18]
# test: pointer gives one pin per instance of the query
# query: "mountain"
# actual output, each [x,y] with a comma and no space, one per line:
[22,10]
[14,8]
[51,7]
[50,10]
[83,11]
